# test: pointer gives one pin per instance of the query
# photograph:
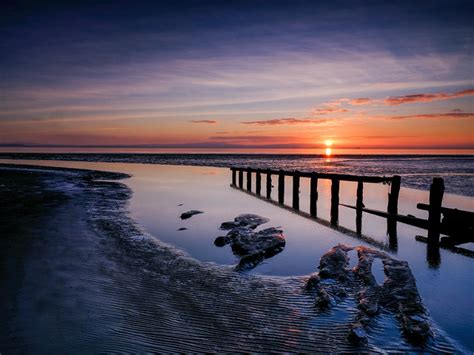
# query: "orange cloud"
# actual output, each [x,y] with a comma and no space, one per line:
[360,101]
[326,110]
[434,116]
[286,121]
[204,121]
[399,100]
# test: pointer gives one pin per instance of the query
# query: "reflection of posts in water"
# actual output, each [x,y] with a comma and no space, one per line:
[334,202]
[392,233]
[359,206]
[296,190]
[433,256]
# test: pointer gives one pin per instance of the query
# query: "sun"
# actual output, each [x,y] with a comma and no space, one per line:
[328,151]
[328,142]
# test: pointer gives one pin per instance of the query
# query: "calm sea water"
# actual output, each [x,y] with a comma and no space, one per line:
[416,170]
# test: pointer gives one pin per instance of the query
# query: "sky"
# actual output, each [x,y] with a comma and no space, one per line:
[237,74]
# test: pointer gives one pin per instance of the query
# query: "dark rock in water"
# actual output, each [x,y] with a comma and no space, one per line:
[190,213]
[252,247]
[245,220]
[357,334]
[221,241]
[180,204]
[398,294]
[182,229]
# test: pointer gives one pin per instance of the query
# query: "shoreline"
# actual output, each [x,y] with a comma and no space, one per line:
[123,290]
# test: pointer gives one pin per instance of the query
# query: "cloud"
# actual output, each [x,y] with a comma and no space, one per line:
[204,121]
[327,110]
[452,115]
[399,100]
[360,101]
[286,121]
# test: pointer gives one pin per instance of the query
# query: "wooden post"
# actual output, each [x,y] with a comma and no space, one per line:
[313,195]
[234,177]
[334,202]
[434,216]
[392,207]
[258,182]
[281,186]
[269,184]
[296,190]
[249,179]
[359,206]
[241,178]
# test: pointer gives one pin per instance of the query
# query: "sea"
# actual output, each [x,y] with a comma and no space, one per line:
[416,168]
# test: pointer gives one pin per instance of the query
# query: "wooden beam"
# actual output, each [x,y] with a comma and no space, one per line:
[392,207]
[434,215]
[258,182]
[335,202]
[241,179]
[269,184]
[281,186]
[313,195]
[296,191]
[360,206]
[234,177]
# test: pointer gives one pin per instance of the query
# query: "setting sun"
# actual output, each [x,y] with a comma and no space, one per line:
[328,151]
[328,142]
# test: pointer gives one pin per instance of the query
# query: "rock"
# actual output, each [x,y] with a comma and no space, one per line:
[398,294]
[252,247]
[182,229]
[190,213]
[245,220]
[221,241]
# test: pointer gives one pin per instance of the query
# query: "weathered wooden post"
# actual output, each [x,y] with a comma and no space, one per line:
[234,177]
[296,190]
[281,186]
[313,195]
[359,206]
[334,201]
[269,184]
[392,207]
[258,182]
[241,178]
[434,216]
[249,179]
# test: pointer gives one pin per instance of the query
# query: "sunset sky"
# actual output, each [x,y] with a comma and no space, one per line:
[216,74]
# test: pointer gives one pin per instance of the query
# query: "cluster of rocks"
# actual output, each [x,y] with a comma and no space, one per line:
[252,247]
[398,294]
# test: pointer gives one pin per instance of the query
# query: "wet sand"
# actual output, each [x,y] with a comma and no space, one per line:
[80,276]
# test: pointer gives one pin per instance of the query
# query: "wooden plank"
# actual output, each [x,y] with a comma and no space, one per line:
[269,184]
[258,182]
[313,195]
[234,177]
[249,179]
[434,215]
[359,205]
[335,202]
[392,207]
[281,186]
[241,179]
[296,191]
[340,177]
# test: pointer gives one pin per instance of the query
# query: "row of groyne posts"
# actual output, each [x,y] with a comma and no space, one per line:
[433,224]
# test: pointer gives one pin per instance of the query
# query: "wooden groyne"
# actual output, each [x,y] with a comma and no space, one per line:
[456,224]
[314,177]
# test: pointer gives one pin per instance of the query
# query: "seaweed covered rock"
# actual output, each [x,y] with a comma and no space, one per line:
[397,295]
[252,247]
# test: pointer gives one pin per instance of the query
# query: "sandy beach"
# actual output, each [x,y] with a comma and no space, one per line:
[83,277]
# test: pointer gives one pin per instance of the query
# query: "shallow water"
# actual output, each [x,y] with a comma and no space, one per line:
[417,170]
[158,191]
